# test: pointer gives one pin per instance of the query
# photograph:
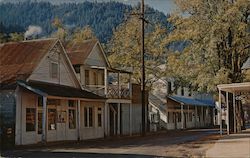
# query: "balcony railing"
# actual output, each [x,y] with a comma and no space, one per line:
[113,91]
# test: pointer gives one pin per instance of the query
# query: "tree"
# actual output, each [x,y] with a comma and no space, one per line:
[81,34]
[218,41]
[15,37]
[61,32]
[125,53]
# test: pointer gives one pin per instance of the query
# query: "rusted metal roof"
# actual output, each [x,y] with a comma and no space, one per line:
[19,59]
[79,51]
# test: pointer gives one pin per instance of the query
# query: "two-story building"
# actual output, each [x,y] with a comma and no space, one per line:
[41,99]
[96,74]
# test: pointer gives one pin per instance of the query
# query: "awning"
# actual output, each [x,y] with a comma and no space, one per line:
[55,90]
[235,87]
[191,101]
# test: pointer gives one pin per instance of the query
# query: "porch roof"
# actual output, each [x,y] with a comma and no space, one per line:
[235,87]
[55,90]
[191,101]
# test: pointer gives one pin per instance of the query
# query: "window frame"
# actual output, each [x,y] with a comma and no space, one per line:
[34,119]
[73,109]
[89,122]
[51,70]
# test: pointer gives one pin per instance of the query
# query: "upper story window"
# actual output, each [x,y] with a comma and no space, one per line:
[169,88]
[86,77]
[54,70]
[77,68]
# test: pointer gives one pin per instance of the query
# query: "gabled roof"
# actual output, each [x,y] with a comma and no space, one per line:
[191,101]
[246,65]
[19,59]
[78,52]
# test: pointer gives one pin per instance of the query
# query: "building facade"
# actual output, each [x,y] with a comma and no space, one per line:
[41,97]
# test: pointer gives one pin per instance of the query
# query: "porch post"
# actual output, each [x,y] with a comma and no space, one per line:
[227,113]
[106,120]
[182,117]
[234,112]
[105,81]
[119,86]
[130,119]
[44,120]
[119,119]
[79,119]
[220,112]
[195,122]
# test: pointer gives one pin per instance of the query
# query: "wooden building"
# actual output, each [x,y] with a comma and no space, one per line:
[41,98]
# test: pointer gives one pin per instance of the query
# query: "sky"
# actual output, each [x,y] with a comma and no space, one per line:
[165,6]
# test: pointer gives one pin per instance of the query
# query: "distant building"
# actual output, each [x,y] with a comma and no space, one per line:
[177,107]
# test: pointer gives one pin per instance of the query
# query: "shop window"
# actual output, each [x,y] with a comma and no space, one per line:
[40,122]
[30,119]
[54,70]
[52,119]
[72,114]
[88,117]
[99,117]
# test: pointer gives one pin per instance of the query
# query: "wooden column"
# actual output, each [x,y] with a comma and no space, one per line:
[234,109]
[182,117]
[44,120]
[130,119]
[79,119]
[105,82]
[119,119]
[227,113]
[220,116]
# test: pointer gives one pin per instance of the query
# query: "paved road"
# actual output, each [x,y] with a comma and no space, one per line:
[164,144]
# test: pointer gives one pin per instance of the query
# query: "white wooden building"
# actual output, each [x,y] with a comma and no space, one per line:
[96,74]
[41,98]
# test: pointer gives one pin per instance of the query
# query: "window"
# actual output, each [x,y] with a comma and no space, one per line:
[40,122]
[30,119]
[182,91]
[95,78]
[77,68]
[52,119]
[102,78]
[88,116]
[72,114]
[99,117]
[179,117]
[54,70]
[86,77]
[169,88]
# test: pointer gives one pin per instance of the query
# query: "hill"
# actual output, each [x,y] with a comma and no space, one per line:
[102,17]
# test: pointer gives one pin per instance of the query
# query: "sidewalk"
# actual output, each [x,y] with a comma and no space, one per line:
[234,145]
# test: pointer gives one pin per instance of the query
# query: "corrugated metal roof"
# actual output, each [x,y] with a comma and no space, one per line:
[57,90]
[246,65]
[19,59]
[191,101]
[79,51]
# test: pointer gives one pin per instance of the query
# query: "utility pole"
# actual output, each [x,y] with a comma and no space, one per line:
[143,70]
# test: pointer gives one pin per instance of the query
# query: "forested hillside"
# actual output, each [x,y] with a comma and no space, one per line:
[101,17]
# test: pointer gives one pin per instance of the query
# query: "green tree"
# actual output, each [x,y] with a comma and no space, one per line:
[61,32]
[15,37]
[218,41]
[81,34]
[125,50]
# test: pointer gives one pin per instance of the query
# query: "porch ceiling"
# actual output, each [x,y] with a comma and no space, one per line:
[235,87]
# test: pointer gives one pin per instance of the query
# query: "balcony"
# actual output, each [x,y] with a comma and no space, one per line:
[117,85]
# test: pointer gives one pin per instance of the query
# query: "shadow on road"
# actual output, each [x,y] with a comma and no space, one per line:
[48,154]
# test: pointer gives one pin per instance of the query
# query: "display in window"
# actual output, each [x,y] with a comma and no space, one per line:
[30,119]
[52,119]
